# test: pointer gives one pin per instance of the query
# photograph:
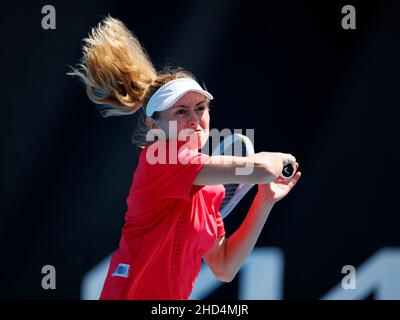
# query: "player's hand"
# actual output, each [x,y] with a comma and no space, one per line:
[274,161]
[278,189]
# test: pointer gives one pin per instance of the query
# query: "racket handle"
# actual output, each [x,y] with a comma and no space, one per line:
[288,172]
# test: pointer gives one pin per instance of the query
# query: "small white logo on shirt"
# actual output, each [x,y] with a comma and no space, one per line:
[122,270]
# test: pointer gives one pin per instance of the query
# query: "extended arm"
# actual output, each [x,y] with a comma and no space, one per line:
[227,255]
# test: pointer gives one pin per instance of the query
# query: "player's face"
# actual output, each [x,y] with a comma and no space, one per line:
[192,118]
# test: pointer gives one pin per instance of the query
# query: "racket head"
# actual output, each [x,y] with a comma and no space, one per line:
[234,145]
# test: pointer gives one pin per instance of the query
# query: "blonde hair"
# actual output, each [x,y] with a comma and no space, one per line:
[118,74]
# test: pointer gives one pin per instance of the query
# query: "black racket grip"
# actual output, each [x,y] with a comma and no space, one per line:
[288,172]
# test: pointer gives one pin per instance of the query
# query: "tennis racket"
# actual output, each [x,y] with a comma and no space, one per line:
[240,145]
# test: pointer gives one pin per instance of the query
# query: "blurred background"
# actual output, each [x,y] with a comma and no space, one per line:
[288,70]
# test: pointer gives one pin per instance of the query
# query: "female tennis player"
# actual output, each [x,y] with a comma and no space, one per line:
[172,219]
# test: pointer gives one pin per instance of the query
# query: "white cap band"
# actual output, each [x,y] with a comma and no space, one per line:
[171,92]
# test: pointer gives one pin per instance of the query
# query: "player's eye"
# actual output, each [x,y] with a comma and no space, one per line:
[201,108]
[180,111]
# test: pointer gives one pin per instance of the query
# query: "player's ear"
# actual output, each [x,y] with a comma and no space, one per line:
[150,123]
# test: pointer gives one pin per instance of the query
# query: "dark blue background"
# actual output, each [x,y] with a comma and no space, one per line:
[286,69]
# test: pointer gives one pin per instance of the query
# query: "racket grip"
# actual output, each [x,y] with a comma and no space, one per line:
[288,172]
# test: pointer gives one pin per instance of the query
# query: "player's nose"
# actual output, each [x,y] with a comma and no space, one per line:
[193,119]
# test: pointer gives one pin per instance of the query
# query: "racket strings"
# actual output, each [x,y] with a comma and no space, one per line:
[230,190]
[238,148]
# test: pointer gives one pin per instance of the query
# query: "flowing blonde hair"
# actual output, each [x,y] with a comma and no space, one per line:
[118,73]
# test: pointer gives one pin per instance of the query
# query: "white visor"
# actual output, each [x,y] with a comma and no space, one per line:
[171,92]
